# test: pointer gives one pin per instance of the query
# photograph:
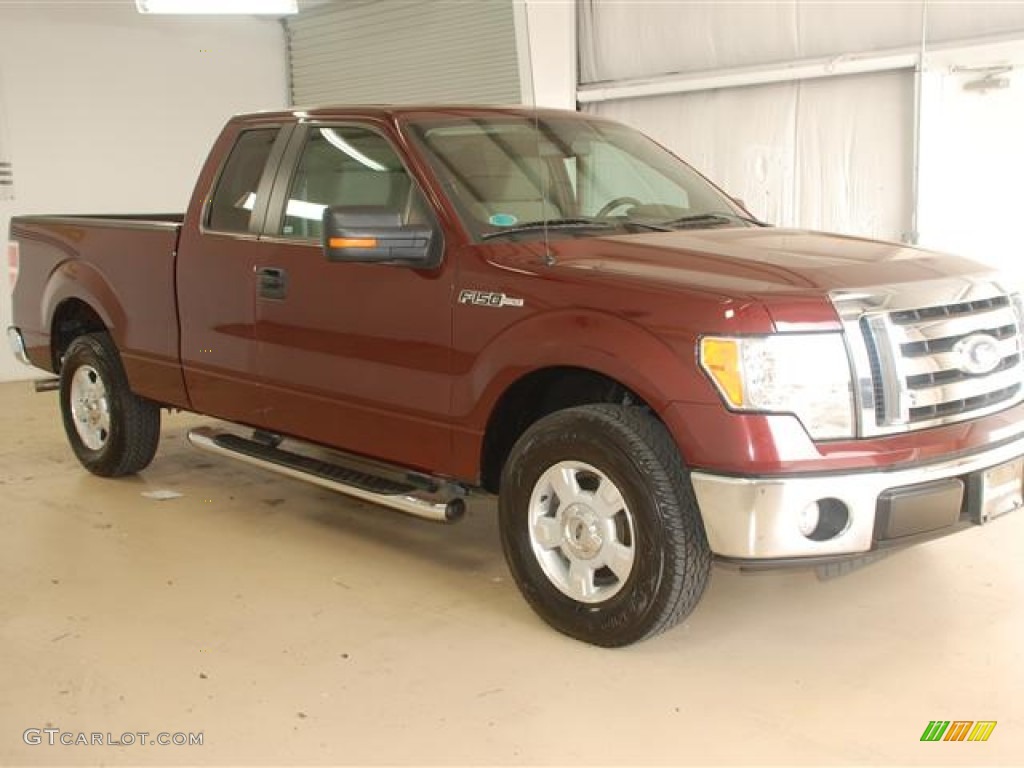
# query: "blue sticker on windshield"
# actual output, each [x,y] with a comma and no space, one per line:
[503,220]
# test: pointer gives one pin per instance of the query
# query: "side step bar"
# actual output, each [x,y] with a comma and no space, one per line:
[349,481]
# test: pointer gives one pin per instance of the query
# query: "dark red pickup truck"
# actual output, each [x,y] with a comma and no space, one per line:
[407,304]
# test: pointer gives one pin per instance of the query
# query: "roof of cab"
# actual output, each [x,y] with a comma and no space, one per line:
[394,111]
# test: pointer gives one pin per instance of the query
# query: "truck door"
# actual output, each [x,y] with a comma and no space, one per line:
[352,355]
[216,278]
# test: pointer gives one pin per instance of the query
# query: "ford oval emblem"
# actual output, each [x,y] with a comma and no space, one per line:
[977,354]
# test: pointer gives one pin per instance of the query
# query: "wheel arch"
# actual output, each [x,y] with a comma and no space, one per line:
[586,356]
[78,299]
[71,319]
[534,396]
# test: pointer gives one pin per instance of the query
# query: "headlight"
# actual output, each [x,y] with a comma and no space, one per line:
[807,375]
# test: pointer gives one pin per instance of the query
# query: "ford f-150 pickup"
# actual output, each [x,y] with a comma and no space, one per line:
[410,304]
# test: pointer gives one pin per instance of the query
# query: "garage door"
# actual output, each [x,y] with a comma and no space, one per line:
[383,51]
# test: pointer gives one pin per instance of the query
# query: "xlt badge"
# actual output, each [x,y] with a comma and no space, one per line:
[487,299]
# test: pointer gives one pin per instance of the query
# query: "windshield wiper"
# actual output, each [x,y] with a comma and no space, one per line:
[720,217]
[647,226]
[532,226]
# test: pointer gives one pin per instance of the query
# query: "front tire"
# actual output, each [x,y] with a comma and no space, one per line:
[600,526]
[111,430]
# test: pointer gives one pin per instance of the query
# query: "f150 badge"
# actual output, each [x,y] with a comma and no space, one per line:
[487,299]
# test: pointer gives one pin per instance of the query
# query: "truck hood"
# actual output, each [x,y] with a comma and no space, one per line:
[790,273]
[755,262]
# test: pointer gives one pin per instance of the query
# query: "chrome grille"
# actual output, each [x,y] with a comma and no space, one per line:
[919,366]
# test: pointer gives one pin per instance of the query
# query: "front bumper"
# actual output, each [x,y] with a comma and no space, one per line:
[17,342]
[759,518]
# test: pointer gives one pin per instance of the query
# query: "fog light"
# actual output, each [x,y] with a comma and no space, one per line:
[824,519]
[809,519]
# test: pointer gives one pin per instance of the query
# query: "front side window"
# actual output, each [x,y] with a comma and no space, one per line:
[347,166]
[234,198]
[506,173]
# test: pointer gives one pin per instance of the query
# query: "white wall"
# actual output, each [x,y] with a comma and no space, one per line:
[834,153]
[107,110]
[644,38]
[972,158]
[819,154]
[546,38]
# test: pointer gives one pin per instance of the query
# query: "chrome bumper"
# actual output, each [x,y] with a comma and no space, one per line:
[17,343]
[757,518]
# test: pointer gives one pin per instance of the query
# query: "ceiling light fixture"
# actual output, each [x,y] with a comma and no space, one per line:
[213,7]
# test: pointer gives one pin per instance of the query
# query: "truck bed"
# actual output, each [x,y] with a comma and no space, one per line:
[68,259]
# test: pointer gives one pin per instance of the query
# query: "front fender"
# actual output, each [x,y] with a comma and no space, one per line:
[580,338]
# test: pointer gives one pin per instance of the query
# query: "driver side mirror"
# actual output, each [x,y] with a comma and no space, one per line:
[374,234]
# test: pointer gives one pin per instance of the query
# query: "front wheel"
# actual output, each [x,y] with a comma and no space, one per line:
[600,527]
[111,430]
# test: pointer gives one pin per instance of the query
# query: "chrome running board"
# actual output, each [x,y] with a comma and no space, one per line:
[357,483]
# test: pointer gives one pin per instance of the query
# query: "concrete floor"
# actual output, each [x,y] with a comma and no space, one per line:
[291,626]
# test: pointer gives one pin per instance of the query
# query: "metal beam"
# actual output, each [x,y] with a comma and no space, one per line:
[801,69]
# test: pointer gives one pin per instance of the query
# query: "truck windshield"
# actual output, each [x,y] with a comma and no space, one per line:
[514,176]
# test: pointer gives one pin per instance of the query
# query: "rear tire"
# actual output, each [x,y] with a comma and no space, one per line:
[111,430]
[600,526]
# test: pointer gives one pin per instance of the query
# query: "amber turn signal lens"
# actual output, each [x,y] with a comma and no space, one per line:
[353,242]
[721,359]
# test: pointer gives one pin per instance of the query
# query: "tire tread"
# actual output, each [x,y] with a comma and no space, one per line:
[673,488]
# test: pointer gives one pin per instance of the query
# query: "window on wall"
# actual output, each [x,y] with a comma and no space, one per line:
[347,166]
[234,199]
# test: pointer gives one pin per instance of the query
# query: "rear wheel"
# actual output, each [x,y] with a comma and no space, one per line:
[600,526]
[111,430]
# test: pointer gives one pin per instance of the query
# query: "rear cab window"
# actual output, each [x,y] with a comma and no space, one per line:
[235,195]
